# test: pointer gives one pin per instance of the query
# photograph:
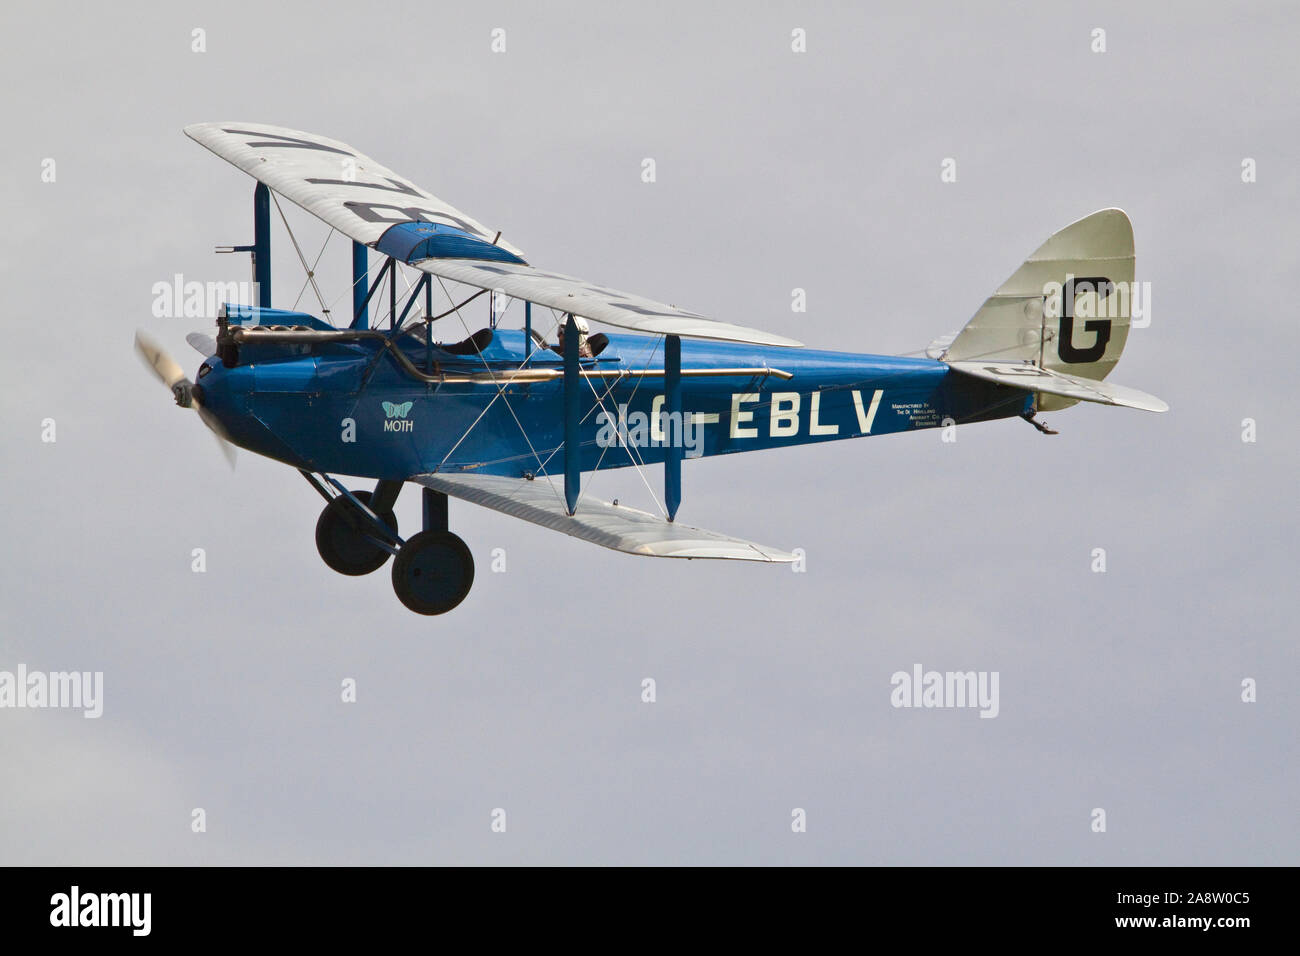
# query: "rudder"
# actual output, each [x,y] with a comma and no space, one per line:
[1067,308]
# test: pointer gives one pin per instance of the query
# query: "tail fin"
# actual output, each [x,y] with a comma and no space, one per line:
[1066,310]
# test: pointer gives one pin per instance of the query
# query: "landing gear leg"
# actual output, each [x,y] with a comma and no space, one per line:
[433,570]
[349,540]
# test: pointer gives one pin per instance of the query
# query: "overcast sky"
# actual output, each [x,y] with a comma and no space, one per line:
[775,170]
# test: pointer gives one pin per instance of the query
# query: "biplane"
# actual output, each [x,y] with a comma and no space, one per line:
[491,415]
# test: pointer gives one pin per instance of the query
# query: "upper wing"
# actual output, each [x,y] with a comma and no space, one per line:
[356,195]
[1037,379]
[609,525]
[567,294]
[373,205]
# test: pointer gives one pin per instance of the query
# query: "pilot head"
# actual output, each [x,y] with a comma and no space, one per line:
[583,330]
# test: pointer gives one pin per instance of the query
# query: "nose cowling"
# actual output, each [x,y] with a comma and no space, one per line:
[229,396]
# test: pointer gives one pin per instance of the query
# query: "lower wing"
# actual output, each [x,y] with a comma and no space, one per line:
[600,522]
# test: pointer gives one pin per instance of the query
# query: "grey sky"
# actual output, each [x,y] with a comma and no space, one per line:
[775,170]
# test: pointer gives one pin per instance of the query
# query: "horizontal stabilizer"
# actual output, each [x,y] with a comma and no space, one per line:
[600,522]
[1036,379]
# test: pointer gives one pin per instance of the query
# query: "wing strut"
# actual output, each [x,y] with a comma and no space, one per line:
[572,382]
[260,250]
[360,284]
[262,244]
[673,412]
[361,319]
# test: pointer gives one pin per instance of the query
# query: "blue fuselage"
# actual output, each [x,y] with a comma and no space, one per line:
[352,409]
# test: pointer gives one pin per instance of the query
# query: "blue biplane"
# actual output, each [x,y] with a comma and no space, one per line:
[488,417]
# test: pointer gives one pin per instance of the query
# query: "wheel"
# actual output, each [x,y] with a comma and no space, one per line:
[433,572]
[341,538]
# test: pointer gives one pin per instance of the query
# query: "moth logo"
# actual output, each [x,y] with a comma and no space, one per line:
[396,417]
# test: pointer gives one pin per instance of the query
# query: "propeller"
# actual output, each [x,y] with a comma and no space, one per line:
[173,376]
[203,343]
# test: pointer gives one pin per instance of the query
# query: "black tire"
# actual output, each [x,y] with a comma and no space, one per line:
[433,572]
[341,538]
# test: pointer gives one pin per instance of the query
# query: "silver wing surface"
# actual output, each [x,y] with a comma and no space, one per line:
[600,522]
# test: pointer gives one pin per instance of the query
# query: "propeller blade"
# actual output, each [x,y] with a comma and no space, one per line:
[202,343]
[162,364]
[219,433]
[173,376]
